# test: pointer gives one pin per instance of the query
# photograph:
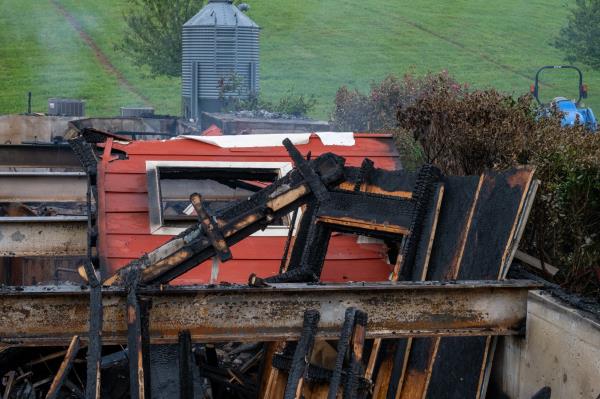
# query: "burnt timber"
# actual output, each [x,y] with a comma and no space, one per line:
[51,315]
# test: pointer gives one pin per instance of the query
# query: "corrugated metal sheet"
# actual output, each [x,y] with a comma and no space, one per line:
[124,212]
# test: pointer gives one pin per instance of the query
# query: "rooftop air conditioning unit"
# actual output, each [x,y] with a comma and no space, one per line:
[66,107]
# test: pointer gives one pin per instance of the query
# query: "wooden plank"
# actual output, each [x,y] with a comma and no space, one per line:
[460,199]
[126,202]
[63,370]
[395,360]
[342,247]
[125,183]
[269,373]
[495,224]
[127,223]
[535,262]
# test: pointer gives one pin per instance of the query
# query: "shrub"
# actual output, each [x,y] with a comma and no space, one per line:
[467,131]
[291,104]
[295,104]
[355,111]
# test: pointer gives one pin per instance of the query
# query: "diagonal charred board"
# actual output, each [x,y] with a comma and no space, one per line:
[51,315]
[236,222]
[479,226]
[64,369]
[210,228]
[312,179]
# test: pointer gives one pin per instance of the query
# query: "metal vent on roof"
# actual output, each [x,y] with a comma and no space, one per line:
[220,46]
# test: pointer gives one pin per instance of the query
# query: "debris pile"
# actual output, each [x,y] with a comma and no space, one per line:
[291,334]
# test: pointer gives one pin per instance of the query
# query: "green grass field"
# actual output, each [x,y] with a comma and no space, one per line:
[312,46]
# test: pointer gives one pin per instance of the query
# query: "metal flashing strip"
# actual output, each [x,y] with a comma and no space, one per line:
[51,315]
[345,139]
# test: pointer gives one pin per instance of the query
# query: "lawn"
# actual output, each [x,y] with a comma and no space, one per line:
[310,46]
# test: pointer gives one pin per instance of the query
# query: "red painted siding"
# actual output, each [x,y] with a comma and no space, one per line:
[123,210]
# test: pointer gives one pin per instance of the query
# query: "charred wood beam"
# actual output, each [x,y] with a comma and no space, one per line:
[137,333]
[43,236]
[51,315]
[293,389]
[94,338]
[342,350]
[312,179]
[356,368]
[186,378]
[210,228]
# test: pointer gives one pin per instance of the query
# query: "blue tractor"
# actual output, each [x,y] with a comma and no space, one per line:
[570,110]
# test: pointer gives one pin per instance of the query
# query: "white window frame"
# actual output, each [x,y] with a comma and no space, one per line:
[157,225]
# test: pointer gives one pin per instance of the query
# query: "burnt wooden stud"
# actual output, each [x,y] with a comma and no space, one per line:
[302,354]
[312,179]
[94,352]
[145,306]
[211,229]
[186,377]
[342,349]
[356,368]
[137,341]
[64,369]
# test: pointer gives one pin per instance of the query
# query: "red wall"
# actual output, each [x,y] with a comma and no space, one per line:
[123,210]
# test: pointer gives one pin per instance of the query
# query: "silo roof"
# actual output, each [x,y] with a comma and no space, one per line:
[221,13]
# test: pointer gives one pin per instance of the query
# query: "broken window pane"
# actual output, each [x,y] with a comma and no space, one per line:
[218,186]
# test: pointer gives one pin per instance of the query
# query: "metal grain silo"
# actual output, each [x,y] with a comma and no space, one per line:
[219,43]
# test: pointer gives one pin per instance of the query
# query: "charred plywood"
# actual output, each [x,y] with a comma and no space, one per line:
[484,215]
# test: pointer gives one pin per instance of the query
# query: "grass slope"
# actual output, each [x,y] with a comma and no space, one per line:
[312,46]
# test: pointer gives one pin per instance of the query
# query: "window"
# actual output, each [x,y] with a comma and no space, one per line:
[170,184]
